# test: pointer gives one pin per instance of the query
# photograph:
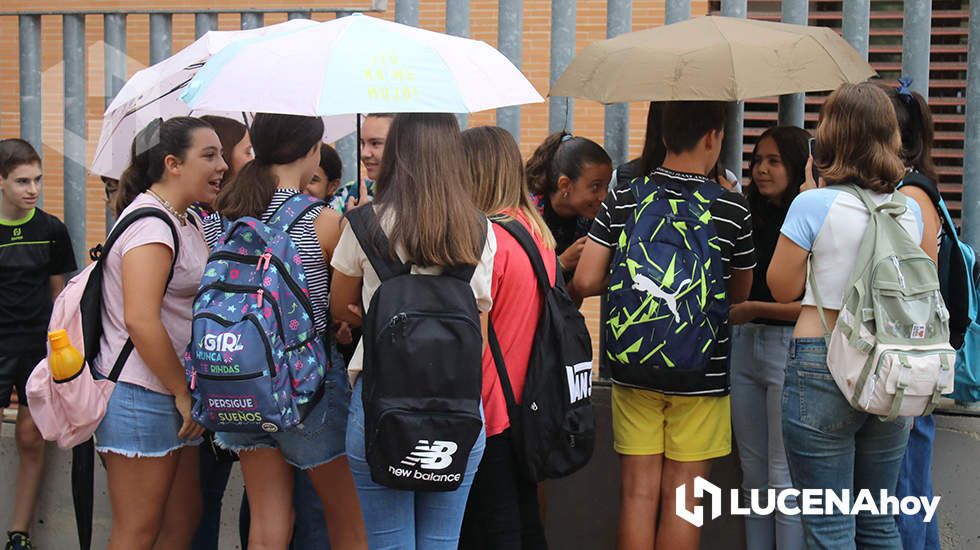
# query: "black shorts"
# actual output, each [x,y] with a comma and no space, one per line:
[14,371]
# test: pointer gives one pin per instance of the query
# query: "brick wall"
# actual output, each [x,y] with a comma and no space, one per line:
[588,116]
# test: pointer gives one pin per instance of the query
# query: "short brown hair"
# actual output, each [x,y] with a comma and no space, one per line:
[684,123]
[858,140]
[16,152]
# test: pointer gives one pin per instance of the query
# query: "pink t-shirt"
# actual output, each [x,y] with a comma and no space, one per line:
[517,302]
[177,306]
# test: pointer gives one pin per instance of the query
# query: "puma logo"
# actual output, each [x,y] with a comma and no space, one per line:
[642,282]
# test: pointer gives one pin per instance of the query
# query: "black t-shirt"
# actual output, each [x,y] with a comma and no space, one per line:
[733,224]
[31,251]
[765,234]
[565,230]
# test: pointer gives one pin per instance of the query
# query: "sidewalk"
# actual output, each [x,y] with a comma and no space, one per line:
[582,509]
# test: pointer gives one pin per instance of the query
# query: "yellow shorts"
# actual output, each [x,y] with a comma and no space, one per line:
[684,428]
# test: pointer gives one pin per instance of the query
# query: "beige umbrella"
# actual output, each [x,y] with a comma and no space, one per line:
[712,58]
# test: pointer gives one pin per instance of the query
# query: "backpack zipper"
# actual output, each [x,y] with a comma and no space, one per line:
[266,258]
[265,340]
[402,318]
[249,289]
[898,269]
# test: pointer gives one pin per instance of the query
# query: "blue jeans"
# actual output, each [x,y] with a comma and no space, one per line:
[758,367]
[405,520]
[915,479]
[831,445]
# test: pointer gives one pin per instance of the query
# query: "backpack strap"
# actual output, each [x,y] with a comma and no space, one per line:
[524,238]
[376,246]
[513,413]
[920,180]
[374,243]
[103,251]
[281,217]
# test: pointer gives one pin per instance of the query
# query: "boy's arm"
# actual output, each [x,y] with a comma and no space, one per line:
[57,283]
[592,274]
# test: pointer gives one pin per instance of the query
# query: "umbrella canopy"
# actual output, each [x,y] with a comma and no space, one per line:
[155,92]
[712,58]
[359,64]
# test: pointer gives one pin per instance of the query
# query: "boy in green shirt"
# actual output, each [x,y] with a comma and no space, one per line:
[35,255]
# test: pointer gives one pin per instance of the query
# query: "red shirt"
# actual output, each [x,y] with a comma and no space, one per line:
[517,302]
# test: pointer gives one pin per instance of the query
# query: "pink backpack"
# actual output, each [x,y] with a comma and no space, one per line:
[68,412]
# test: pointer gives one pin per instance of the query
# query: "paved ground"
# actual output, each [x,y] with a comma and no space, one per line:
[582,509]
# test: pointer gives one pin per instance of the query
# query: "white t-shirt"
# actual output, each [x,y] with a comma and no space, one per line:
[349,259]
[830,223]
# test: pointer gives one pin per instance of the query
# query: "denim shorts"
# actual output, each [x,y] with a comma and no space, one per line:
[319,439]
[140,423]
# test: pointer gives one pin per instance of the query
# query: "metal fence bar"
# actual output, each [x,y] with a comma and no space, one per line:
[30,83]
[74,132]
[407,12]
[971,145]
[510,21]
[347,147]
[252,20]
[617,117]
[731,152]
[792,106]
[204,22]
[375,6]
[114,26]
[677,10]
[299,15]
[161,36]
[458,24]
[560,109]
[916,35]
[856,23]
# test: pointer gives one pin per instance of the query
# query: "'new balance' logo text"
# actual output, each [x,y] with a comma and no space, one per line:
[435,456]
[579,381]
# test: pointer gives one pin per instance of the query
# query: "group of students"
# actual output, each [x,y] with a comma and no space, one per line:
[765,376]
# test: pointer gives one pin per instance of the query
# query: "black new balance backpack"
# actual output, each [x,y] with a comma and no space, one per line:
[422,372]
[553,425]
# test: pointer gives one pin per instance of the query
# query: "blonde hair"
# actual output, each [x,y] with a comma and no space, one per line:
[858,140]
[498,177]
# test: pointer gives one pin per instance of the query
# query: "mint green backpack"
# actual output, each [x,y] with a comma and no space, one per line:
[889,351]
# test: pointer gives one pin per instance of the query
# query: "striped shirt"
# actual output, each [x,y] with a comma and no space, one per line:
[733,224]
[304,236]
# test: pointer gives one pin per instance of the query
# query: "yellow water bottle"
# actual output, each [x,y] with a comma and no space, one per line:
[64,360]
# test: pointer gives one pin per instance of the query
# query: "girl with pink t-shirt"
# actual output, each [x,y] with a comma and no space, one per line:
[147,437]
[502,511]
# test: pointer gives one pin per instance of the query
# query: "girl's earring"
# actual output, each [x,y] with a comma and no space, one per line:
[564,194]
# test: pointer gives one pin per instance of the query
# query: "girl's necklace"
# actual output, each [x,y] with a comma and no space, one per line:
[181,217]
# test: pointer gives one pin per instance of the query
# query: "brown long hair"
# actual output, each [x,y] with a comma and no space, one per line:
[159,139]
[497,175]
[230,133]
[916,128]
[858,140]
[424,184]
[276,139]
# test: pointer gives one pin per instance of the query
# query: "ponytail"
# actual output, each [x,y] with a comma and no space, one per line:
[249,193]
[159,139]
[276,140]
[561,154]
[915,126]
